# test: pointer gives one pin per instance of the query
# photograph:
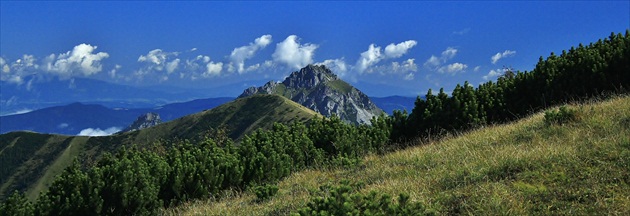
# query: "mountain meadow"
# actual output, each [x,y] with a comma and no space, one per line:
[553,140]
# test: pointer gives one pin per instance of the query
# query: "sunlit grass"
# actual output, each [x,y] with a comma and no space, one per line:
[527,167]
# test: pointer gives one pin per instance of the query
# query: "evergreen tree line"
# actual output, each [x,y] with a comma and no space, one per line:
[143,180]
[600,68]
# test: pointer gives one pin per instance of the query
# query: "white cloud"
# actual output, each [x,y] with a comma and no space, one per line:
[240,54]
[494,73]
[374,54]
[213,69]
[171,66]
[294,54]
[4,65]
[81,59]
[337,66]
[63,125]
[477,68]
[22,111]
[395,51]
[158,60]
[407,65]
[409,76]
[15,72]
[369,58]
[495,58]
[453,68]
[98,131]
[435,62]
[449,53]
[112,73]
[20,67]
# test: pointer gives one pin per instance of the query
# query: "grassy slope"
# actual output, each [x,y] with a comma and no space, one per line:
[241,117]
[32,160]
[526,167]
[25,157]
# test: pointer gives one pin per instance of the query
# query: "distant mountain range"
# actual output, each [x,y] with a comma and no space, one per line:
[73,118]
[39,92]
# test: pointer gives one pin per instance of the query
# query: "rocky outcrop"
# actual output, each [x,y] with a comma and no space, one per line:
[318,88]
[144,121]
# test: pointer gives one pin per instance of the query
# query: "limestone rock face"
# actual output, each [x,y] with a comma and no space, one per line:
[144,121]
[318,88]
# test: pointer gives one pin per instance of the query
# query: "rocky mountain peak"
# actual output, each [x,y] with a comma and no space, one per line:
[144,121]
[318,88]
[309,77]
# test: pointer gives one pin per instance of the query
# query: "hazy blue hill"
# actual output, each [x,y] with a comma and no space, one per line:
[41,92]
[391,103]
[72,118]
[69,119]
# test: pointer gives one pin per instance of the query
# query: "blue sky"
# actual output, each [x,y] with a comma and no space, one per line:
[384,48]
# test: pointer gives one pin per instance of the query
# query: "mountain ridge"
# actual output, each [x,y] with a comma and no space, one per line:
[30,160]
[318,88]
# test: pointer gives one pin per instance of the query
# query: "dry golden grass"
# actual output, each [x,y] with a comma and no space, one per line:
[526,167]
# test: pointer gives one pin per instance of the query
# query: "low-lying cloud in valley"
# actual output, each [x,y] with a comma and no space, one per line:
[99,132]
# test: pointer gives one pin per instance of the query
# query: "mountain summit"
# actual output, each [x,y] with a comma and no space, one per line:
[318,88]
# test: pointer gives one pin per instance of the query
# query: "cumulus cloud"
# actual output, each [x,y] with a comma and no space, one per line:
[435,61]
[15,72]
[453,68]
[294,54]
[407,65]
[374,54]
[171,66]
[240,54]
[213,69]
[338,66]
[112,73]
[449,53]
[369,58]
[409,76]
[81,59]
[3,63]
[158,60]
[395,51]
[98,131]
[494,73]
[496,57]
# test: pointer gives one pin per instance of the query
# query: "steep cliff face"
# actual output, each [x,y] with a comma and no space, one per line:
[144,121]
[317,88]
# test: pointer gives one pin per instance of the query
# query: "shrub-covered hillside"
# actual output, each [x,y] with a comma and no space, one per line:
[535,166]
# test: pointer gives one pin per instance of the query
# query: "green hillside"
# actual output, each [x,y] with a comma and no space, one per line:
[529,167]
[31,161]
[240,117]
